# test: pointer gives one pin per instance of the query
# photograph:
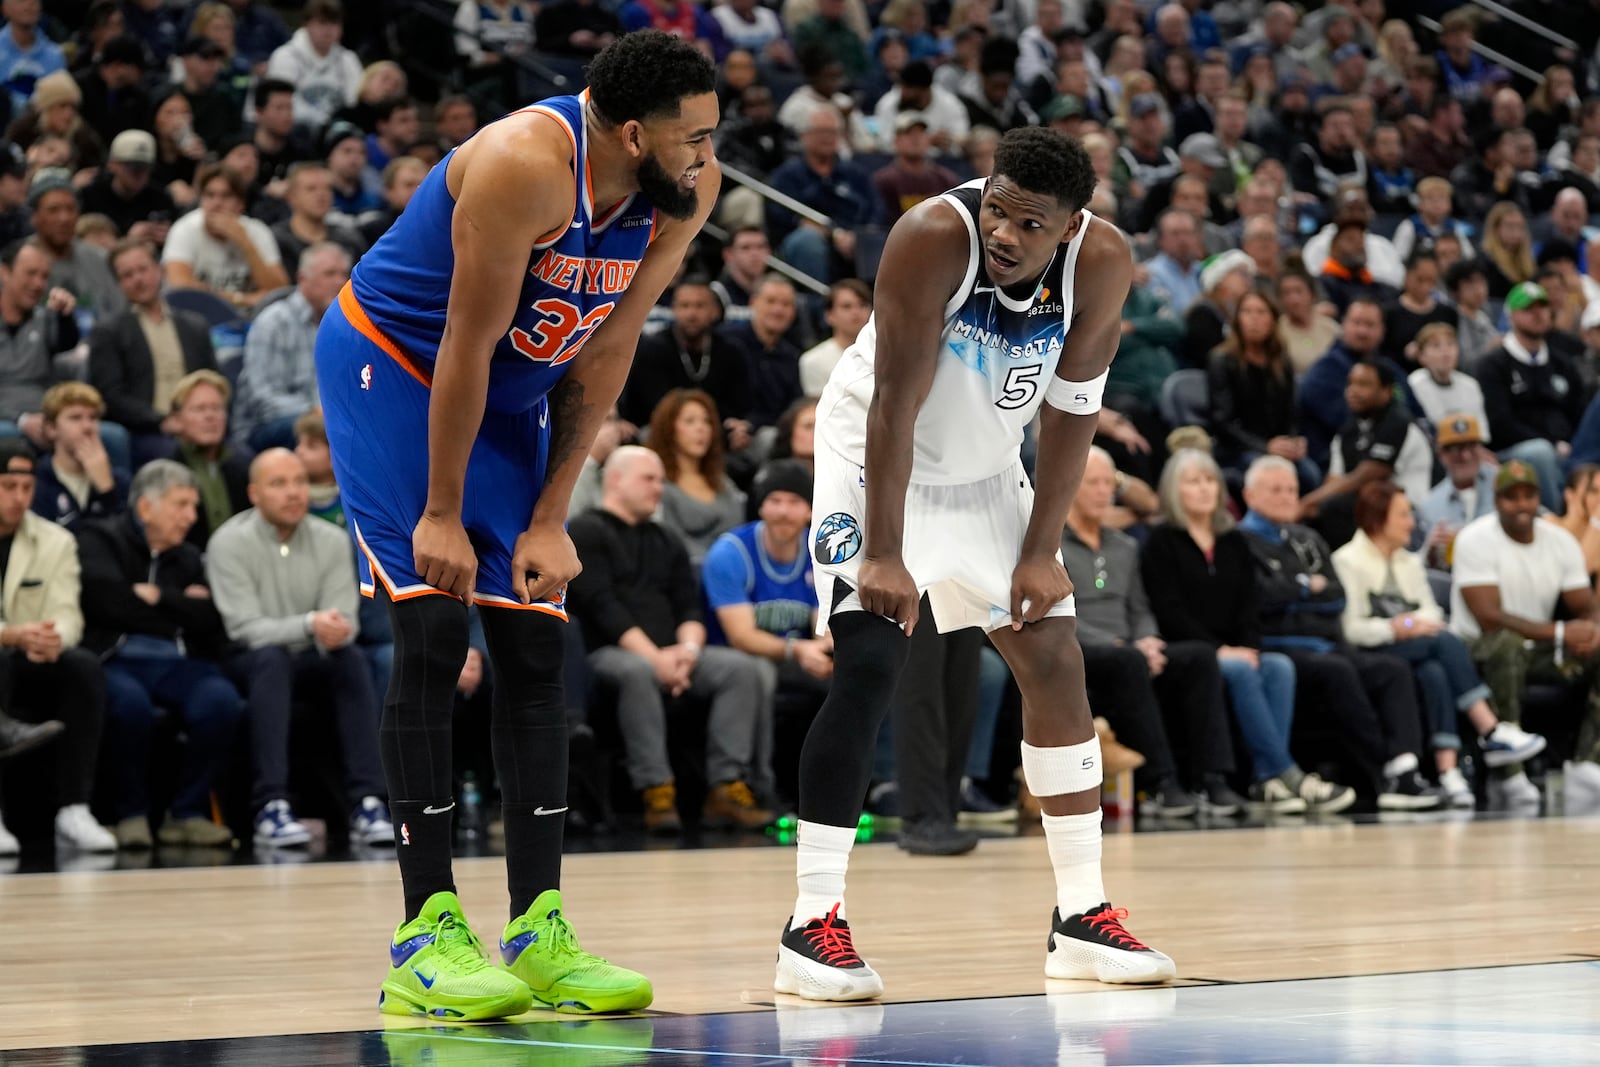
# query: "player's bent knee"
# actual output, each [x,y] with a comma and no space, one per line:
[1062,769]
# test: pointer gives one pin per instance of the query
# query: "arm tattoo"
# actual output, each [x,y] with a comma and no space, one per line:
[567,411]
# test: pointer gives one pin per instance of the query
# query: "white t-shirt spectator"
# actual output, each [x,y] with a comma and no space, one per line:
[1530,577]
[215,263]
[1463,396]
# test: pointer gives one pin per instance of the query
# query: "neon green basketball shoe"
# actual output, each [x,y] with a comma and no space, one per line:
[437,968]
[541,949]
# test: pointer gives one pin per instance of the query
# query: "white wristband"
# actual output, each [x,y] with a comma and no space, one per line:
[1077,398]
[1561,640]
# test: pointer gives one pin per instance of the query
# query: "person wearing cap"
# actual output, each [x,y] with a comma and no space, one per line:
[217,115]
[53,109]
[27,55]
[1144,160]
[219,248]
[1351,205]
[354,188]
[641,616]
[1344,274]
[1512,573]
[911,176]
[1223,280]
[1465,493]
[42,667]
[75,265]
[1199,157]
[761,601]
[326,75]
[124,193]
[1533,393]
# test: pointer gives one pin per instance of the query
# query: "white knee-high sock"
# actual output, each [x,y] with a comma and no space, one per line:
[1074,842]
[823,855]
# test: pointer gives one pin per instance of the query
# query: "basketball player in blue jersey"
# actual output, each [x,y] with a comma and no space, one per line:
[999,300]
[464,372]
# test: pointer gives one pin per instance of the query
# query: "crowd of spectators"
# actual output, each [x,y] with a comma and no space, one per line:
[1343,513]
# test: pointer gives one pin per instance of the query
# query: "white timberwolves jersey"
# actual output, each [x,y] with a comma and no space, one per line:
[997,357]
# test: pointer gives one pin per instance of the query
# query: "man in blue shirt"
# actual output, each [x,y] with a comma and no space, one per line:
[26,55]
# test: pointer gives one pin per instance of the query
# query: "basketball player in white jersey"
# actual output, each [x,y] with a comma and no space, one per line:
[999,300]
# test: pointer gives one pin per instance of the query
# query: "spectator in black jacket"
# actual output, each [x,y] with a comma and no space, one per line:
[76,482]
[1252,388]
[690,354]
[137,358]
[148,613]
[771,360]
[1370,698]
[639,606]
[1533,395]
[123,192]
[113,99]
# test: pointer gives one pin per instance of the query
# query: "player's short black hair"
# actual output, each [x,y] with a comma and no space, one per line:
[647,74]
[1041,160]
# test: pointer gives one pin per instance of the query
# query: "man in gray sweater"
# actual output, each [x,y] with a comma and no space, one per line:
[286,589]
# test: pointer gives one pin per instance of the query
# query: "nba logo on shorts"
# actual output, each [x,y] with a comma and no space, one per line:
[838,538]
[366,376]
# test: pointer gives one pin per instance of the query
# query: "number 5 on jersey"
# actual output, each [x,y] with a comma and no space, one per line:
[561,334]
[1021,386]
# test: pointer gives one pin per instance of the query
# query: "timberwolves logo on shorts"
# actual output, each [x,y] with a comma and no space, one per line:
[838,538]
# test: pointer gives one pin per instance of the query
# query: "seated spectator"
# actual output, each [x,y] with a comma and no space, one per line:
[1440,386]
[1146,352]
[1414,308]
[848,309]
[1534,394]
[796,436]
[1431,221]
[690,354]
[278,380]
[910,177]
[137,357]
[699,503]
[1223,280]
[1507,258]
[286,588]
[640,611]
[1368,696]
[1389,607]
[744,264]
[151,619]
[1200,577]
[1468,286]
[217,113]
[53,109]
[74,264]
[1305,328]
[279,145]
[1391,185]
[577,29]
[76,481]
[1323,411]
[179,150]
[395,127]
[310,199]
[1251,386]
[1344,275]
[241,156]
[1148,684]
[1581,497]
[1175,269]
[200,403]
[1378,254]
[1379,442]
[1466,493]
[821,179]
[401,177]
[220,249]
[1444,146]
[1318,167]
[771,360]
[109,79]
[614,432]
[1512,572]
[124,193]
[326,75]
[998,102]
[758,586]
[43,670]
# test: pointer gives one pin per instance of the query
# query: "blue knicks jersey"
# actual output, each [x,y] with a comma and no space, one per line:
[574,278]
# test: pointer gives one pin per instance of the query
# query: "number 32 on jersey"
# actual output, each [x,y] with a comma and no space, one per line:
[561,332]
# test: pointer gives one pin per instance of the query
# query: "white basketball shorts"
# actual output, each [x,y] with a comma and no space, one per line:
[961,542]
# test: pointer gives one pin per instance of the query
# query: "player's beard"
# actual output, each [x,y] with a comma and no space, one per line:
[663,190]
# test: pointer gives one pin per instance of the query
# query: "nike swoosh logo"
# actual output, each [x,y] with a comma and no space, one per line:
[438,811]
[427,983]
[548,811]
